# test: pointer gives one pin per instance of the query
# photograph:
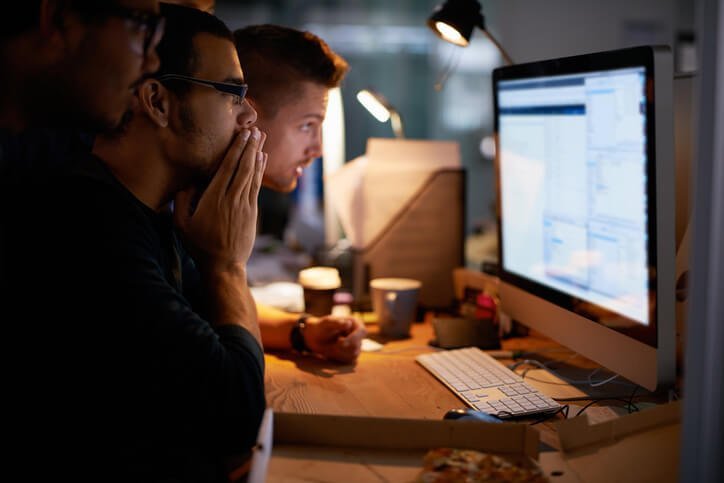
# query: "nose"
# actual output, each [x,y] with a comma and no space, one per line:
[314,148]
[247,115]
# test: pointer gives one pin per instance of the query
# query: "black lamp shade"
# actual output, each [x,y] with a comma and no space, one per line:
[461,15]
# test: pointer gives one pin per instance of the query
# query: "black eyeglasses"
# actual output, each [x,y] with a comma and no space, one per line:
[236,90]
[149,23]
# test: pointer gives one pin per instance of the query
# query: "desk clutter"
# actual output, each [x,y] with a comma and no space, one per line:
[322,448]
[326,448]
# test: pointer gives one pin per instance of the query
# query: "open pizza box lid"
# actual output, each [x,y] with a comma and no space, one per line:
[329,448]
[638,447]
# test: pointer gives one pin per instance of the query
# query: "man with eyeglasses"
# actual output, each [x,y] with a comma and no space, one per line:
[68,70]
[74,63]
[161,369]
[292,73]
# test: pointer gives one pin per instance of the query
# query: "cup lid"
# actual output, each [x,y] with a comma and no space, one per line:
[395,283]
[320,278]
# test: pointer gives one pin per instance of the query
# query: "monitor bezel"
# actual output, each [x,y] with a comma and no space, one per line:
[582,64]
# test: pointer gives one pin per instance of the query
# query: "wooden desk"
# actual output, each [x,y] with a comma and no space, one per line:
[389,383]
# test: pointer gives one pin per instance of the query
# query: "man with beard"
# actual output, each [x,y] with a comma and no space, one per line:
[290,73]
[166,364]
[66,66]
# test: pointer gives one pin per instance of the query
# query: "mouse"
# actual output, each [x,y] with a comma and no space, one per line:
[471,414]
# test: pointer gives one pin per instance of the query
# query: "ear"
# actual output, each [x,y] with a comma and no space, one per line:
[154,101]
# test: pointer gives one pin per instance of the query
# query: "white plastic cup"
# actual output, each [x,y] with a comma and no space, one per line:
[394,301]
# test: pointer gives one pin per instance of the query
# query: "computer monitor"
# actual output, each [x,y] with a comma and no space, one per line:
[585,190]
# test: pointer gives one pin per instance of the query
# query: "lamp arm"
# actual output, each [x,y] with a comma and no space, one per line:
[500,48]
[396,121]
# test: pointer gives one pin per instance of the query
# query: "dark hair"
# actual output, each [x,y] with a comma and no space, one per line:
[275,58]
[24,16]
[176,50]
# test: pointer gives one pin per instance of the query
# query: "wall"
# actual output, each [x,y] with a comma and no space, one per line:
[390,48]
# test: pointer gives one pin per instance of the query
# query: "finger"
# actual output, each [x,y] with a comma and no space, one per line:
[356,336]
[349,326]
[258,175]
[345,352]
[246,168]
[220,182]
[262,141]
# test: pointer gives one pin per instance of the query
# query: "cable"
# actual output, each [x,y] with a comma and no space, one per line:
[599,383]
[563,410]
[540,365]
[453,61]
[630,406]
[589,398]
[630,400]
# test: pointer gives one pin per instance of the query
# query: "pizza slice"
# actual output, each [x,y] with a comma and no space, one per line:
[450,465]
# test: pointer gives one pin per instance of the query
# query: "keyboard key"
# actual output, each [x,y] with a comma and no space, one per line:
[485,407]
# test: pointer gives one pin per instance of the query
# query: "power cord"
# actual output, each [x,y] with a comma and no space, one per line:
[599,383]
[453,61]
[563,410]
[588,381]
[630,406]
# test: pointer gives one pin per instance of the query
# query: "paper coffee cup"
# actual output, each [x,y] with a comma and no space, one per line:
[319,285]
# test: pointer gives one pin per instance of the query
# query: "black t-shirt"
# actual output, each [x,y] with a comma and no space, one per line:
[151,388]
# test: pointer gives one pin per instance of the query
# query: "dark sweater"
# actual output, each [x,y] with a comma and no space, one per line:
[150,389]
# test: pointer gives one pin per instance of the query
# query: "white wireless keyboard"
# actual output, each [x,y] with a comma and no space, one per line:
[486,384]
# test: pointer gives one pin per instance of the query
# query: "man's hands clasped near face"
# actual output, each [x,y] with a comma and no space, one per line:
[335,338]
[220,231]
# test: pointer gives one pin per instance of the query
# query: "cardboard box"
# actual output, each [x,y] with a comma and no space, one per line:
[326,448]
[639,447]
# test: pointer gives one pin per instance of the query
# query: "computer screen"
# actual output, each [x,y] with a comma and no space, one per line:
[586,205]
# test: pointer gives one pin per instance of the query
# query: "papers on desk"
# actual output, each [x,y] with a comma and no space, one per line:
[370,191]
[287,296]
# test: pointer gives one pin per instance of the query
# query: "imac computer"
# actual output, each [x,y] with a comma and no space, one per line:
[586,206]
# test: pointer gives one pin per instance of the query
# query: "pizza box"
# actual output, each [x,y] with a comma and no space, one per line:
[638,447]
[297,447]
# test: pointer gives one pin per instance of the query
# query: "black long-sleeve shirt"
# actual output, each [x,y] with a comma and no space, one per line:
[153,390]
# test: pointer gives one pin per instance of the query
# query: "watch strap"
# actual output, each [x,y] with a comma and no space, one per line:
[296,337]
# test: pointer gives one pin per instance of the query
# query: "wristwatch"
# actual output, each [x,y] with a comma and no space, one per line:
[296,337]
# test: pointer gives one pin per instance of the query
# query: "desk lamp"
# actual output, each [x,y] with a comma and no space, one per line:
[455,20]
[381,109]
